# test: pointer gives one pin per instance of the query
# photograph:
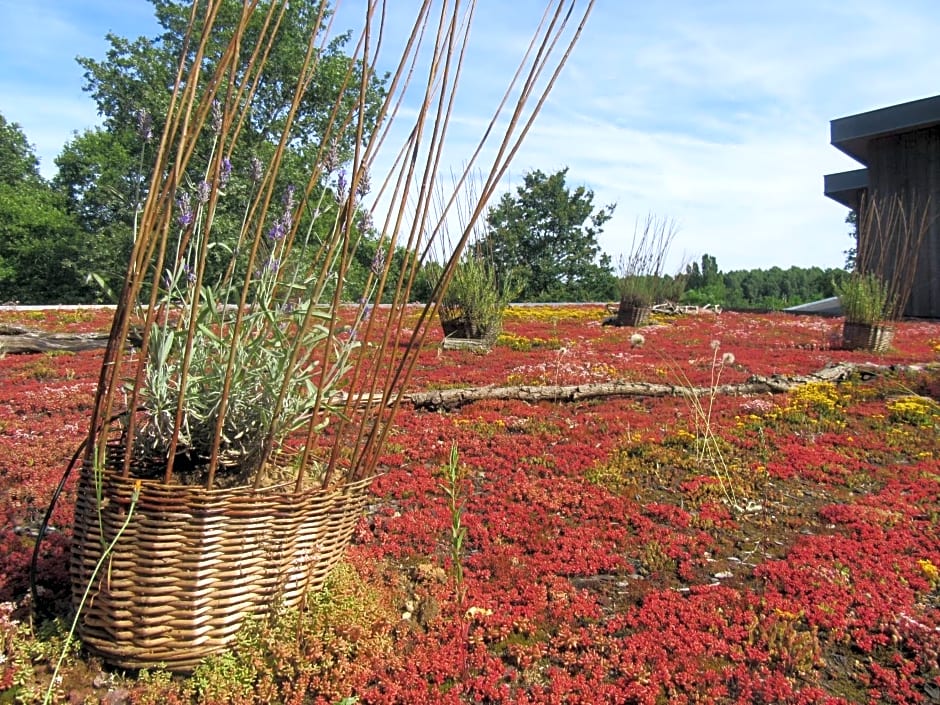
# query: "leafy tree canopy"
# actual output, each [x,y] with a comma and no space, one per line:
[772,288]
[545,234]
[18,162]
[104,172]
[41,253]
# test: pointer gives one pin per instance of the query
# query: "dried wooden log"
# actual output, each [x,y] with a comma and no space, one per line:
[18,341]
[445,399]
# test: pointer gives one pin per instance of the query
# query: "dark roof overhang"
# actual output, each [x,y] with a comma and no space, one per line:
[846,187]
[852,134]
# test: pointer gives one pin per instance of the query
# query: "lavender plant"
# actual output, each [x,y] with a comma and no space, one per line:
[242,334]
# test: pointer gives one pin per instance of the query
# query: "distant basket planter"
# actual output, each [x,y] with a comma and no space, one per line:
[866,336]
[632,315]
[193,564]
[464,328]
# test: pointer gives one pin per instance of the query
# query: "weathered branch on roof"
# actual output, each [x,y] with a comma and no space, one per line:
[446,399]
[16,340]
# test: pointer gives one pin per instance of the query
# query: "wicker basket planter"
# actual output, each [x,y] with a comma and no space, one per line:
[865,336]
[631,315]
[192,563]
[464,328]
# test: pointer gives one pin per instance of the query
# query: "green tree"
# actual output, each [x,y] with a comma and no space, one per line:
[704,284]
[546,235]
[773,288]
[41,249]
[18,162]
[103,172]
[852,219]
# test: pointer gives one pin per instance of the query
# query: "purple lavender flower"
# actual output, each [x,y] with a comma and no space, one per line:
[331,160]
[203,191]
[271,265]
[216,117]
[189,273]
[287,200]
[287,216]
[144,124]
[341,186]
[364,185]
[183,202]
[378,262]
[277,231]
[364,220]
[225,172]
[256,170]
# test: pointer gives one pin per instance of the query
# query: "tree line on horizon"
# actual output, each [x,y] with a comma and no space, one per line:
[68,239]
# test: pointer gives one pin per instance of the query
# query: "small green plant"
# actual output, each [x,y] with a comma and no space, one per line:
[223,676]
[24,654]
[914,410]
[865,299]
[476,297]
[478,292]
[452,486]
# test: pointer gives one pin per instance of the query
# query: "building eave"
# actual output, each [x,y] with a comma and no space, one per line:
[846,187]
[852,134]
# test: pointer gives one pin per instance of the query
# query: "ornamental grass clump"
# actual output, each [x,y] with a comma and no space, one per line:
[235,357]
[475,299]
[864,299]
[641,281]
[478,292]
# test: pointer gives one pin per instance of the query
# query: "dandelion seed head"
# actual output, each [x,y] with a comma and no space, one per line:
[637,340]
[727,359]
[715,344]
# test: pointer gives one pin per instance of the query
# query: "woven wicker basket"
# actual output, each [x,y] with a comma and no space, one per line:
[633,316]
[192,563]
[863,336]
[467,330]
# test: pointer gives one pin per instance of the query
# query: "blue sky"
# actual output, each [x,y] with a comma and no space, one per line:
[714,114]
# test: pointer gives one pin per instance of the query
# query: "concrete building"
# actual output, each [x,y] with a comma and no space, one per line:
[900,149]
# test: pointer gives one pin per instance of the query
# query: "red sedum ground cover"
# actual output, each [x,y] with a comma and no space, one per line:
[602,563]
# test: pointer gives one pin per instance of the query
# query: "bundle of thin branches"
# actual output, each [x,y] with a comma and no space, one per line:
[891,231]
[640,280]
[241,341]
